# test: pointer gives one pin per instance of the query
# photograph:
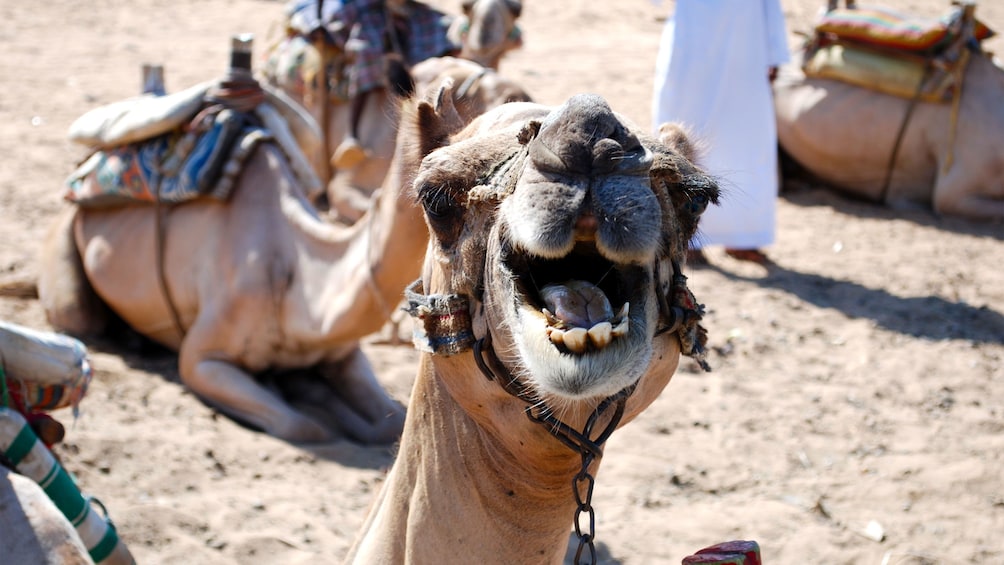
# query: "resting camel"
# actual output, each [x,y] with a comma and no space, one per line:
[296,64]
[550,288]
[257,283]
[844,135]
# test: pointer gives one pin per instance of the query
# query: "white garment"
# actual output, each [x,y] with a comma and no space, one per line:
[711,75]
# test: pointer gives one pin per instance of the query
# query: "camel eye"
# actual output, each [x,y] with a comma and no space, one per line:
[438,203]
[698,204]
[444,213]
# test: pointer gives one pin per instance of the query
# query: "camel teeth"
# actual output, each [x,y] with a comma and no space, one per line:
[625,310]
[557,336]
[549,317]
[576,340]
[601,334]
[621,329]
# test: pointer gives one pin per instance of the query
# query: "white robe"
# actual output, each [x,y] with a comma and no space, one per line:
[711,75]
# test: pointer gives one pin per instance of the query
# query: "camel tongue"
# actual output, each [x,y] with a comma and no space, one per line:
[578,304]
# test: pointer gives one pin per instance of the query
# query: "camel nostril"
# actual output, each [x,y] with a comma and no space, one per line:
[606,154]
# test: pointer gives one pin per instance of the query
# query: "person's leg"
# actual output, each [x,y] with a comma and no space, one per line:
[350,152]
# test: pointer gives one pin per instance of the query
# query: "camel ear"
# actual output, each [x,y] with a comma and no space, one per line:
[445,106]
[438,119]
[675,137]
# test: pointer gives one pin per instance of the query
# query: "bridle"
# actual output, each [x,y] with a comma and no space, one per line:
[444,327]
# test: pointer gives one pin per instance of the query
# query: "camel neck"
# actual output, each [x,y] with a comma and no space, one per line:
[458,487]
[357,272]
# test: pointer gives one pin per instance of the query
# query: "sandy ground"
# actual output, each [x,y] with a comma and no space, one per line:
[857,381]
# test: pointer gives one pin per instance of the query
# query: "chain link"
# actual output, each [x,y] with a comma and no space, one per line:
[583,443]
[585,506]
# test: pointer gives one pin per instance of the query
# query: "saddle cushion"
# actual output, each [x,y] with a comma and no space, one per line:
[887,28]
[903,76]
[137,118]
[173,167]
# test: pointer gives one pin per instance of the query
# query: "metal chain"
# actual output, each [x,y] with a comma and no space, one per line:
[589,449]
[585,505]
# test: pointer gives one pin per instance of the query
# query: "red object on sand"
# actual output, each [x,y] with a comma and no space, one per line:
[728,553]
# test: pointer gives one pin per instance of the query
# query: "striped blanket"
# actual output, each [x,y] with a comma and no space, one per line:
[881,27]
[173,167]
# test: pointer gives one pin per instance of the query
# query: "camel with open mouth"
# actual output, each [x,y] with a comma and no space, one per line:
[551,309]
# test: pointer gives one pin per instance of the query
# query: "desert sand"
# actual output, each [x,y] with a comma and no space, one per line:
[858,382]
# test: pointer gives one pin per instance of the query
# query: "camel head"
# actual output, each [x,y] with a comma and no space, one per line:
[487,30]
[562,229]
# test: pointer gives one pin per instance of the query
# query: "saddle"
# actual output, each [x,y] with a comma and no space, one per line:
[179,147]
[893,53]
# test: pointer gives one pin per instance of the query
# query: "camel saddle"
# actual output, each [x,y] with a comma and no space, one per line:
[179,147]
[893,53]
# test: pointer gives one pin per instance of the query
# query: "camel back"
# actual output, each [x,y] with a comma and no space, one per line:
[889,52]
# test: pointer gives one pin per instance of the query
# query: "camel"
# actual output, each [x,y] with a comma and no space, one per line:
[296,64]
[550,289]
[844,135]
[487,30]
[257,283]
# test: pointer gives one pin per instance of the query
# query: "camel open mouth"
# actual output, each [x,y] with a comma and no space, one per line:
[584,298]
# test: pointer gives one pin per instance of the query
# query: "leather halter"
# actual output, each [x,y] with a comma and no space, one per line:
[444,328]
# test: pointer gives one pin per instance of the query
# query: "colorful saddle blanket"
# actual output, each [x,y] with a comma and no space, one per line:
[880,27]
[888,52]
[174,167]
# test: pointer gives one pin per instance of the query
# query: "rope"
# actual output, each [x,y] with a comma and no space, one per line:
[902,130]
[956,104]
[161,242]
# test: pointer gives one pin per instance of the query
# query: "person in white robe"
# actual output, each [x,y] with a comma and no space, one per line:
[713,71]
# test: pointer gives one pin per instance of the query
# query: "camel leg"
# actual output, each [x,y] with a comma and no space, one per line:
[363,408]
[237,394]
[956,194]
[69,301]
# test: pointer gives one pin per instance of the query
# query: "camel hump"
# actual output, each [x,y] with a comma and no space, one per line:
[584,136]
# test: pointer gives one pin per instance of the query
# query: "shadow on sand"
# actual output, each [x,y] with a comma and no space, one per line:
[925,317]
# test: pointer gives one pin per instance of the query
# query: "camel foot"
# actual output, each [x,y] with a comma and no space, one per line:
[302,429]
[349,154]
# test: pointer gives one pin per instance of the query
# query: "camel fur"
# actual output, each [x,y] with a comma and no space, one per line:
[534,212]
[259,282]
